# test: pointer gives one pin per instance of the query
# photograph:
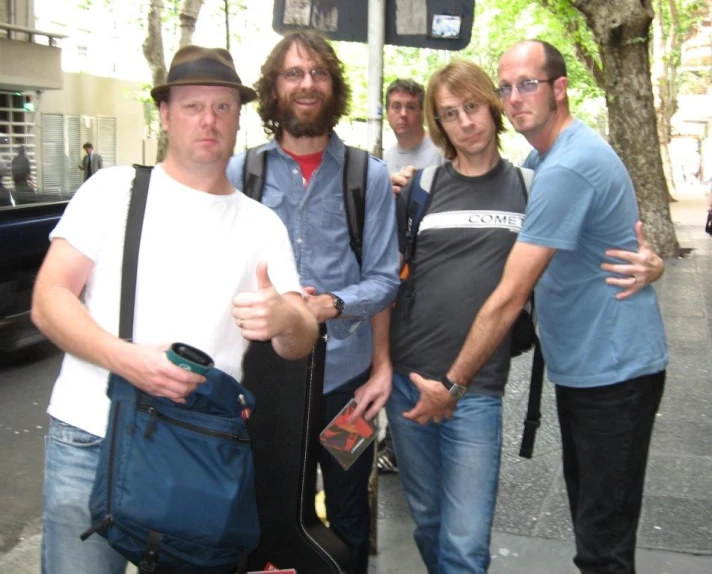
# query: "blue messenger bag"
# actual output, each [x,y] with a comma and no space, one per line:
[174,490]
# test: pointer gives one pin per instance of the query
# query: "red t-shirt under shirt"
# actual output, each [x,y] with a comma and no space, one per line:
[307,163]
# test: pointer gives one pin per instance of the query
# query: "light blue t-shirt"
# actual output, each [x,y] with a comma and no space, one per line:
[582,203]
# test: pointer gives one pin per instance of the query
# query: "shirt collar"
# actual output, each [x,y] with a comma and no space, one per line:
[335,148]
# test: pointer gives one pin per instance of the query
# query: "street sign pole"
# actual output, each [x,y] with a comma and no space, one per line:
[376,41]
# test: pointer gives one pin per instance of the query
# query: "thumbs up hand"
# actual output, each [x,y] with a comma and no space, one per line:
[260,315]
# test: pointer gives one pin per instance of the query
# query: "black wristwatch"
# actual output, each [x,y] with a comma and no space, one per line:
[338,303]
[454,389]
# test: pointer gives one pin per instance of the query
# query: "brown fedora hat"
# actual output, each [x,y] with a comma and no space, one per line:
[198,66]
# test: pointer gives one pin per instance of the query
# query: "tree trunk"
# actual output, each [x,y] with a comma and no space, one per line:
[664,78]
[153,51]
[189,12]
[621,31]
[153,48]
[667,168]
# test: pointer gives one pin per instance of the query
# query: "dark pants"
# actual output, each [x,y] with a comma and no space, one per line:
[346,491]
[605,433]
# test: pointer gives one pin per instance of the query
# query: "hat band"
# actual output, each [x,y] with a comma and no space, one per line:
[203,70]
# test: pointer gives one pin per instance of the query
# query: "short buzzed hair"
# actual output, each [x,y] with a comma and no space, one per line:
[410,87]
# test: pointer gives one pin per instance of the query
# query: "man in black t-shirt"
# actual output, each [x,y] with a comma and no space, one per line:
[450,468]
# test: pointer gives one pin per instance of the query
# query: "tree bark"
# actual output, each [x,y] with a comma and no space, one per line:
[189,12]
[664,77]
[153,48]
[621,31]
[153,52]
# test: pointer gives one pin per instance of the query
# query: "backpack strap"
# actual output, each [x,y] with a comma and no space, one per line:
[253,174]
[132,242]
[533,418]
[418,203]
[526,176]
[536,382]
[355,181]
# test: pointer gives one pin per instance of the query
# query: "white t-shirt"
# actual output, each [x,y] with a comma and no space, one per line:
[197,252]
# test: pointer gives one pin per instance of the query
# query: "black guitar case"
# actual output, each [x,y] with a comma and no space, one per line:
[285,440]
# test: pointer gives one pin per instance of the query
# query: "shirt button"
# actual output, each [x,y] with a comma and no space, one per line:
[299,239]
[295,171]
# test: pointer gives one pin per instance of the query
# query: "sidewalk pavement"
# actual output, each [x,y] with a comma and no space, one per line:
[532,532]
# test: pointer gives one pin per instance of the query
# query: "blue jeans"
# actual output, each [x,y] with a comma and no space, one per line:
[71,458]
[449,473]
[605,435]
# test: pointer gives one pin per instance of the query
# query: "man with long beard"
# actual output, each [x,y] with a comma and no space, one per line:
[302,95]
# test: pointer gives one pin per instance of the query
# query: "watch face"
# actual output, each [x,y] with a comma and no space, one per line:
[458,390]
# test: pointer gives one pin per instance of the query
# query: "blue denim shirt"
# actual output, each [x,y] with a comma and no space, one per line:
[318,230]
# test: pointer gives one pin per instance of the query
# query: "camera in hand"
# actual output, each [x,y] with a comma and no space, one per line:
[190,358]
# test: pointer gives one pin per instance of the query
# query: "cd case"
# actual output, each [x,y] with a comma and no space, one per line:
[347,441]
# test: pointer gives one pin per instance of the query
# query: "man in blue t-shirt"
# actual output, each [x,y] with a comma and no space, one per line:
[605,350]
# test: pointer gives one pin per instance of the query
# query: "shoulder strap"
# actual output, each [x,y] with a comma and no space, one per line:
[132,242]
[418,202]
[533,418]
[253,174]
[536,382]
[355,181]
[526,176]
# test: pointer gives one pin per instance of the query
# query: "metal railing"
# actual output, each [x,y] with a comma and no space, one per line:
[10,30]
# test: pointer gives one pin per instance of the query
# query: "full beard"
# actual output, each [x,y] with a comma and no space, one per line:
[323,120]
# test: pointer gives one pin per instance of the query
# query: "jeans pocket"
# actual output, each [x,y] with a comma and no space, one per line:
[64,433]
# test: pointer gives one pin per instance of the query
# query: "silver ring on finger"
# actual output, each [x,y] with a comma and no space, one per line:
[635,279]
[436,420]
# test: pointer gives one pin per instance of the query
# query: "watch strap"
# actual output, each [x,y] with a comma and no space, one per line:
[454,389]
[338,303]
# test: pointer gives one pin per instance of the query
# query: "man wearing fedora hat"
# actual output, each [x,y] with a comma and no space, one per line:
[195,221]
[302,95]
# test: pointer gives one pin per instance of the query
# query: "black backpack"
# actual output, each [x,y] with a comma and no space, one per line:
[355,178]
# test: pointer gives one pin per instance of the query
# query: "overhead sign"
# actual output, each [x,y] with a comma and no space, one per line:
[436,24]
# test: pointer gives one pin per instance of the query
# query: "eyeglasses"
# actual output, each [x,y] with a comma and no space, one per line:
[525,87]
[449,115]
[296,75]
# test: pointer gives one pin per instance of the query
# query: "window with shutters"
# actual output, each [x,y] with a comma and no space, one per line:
[17,128]
[53,153]
[106,140]
[69,133]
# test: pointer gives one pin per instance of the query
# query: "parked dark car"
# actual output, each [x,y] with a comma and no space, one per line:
[24,240]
